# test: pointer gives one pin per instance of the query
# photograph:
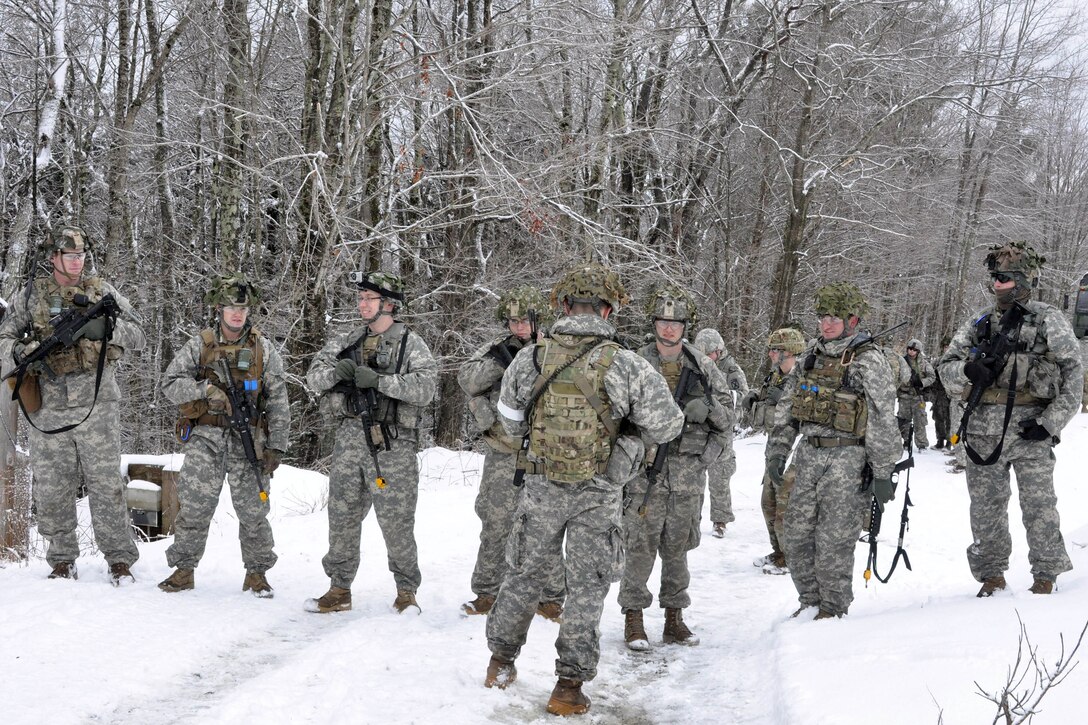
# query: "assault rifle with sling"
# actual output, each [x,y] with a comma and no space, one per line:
[65,326]
[876,515]
[864,338]
[687,376]
[364,405]
[242,416]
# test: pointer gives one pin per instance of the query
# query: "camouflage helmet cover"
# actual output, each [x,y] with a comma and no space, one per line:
[232,291]
[914,344]
[517,302]
[709,340]
[670,301]
[390,286]
[788,339]
[1016,256]
[841,300]
[67,238]
[590,283]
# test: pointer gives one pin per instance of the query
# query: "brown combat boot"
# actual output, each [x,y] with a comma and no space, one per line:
[64,570]
[482,604]
[552,611]
[824,614]
[121,574]
[990,585]
[256,582]
[404,600]
[634,633]
[500,673]
[1042,585]
[180,581]
[676,632]
[568,699]
[336,599]
[719,530]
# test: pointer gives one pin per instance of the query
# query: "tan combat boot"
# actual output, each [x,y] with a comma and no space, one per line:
[824,614]
[634,633]
[336,599]
[676,632]
[552,611]
[482,604]
[405,599]
[64,570]
[256,582]
[180,581]
[1042,585]
[990,585]
[121,574]
[500,673]
[568,699]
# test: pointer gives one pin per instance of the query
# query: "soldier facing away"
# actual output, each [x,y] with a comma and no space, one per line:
[77,426]
[841,399]
[196,381]
[571,393]
[481,379]
[938,396]
[376,379]
[1024,358]
[711,344]
[912,405]
[668,526]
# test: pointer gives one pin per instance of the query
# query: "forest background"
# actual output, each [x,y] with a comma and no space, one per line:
[750,150]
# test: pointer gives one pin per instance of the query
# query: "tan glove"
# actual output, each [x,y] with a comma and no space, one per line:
[218,402]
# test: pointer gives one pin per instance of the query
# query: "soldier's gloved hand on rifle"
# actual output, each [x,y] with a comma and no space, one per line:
[218,402]
[883,491]
[365,377]
[748,400]
[1032,430]
[980,372]
[776,467]
[270,461]
[345,369]
[696,411]
[94,329]
[916,382]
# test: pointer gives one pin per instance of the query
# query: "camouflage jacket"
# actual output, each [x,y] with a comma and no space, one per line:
[734,376]
[870,375]
[1048,371]
[66,398]
[636,392]
[762,402]
[926,373]
[184,381]
[480,377]
[412,388]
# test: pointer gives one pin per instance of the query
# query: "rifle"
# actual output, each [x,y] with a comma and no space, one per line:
[242,415]
[654,470]
[863,338]
[876,515]
[364,405]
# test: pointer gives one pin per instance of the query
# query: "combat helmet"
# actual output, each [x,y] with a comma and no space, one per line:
[915,344]
[590,284]
[841,299]
[390,286]
[1017,259]
[787,339]
[67,238]
[670,301]
[232,291]
[518,301]
[709,340]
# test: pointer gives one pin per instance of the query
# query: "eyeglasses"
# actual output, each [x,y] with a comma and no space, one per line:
[517,320]
[1003,277]
[669,323]
[369,298]
[73,256]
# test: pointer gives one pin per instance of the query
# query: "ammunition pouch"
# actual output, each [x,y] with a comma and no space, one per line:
[692,441]
[841,409]
[999,396]
[761,416]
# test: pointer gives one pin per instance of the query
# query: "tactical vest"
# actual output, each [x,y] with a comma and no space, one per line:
[1038,377]
[51,300]
[693,436]
[246,361]
[761,416]
[824,395]
[385,354]
[571,430]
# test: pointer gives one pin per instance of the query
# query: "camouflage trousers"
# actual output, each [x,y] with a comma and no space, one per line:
[822,522]
[913,408]
[93,448]
[496,504]
[990,490]
[721,498]
[210,454]
[955,415]
[774,502]
[670,529]
[588,516]
[353,490]
[941,417]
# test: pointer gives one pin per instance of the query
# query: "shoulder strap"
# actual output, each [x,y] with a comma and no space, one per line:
[582,383]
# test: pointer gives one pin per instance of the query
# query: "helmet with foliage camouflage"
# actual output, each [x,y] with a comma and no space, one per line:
[709,340]
[390,286]
[670,301]
[1015,257]
[518,301]
[590,284]
[841,300]
[787,339]
[232,291]
[67,238]
[915,344]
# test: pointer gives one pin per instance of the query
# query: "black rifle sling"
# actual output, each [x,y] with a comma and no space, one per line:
[1008,327]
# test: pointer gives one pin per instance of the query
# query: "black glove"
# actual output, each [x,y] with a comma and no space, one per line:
[345,369]
[883,491]
[980,372]
[94,329]
[365,377]
[749,400]
[696,411]
[776,466]
[1032,430]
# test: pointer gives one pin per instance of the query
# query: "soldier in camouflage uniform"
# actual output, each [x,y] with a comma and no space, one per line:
[711,344]
[195,381]
[383,370]
[667,522]
[520,310]
[912,406]
[573,393]
[1038,387]
[938,397]
[77,427]
[783,347]
[841,399]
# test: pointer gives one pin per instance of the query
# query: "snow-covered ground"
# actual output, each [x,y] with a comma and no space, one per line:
[911,651]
